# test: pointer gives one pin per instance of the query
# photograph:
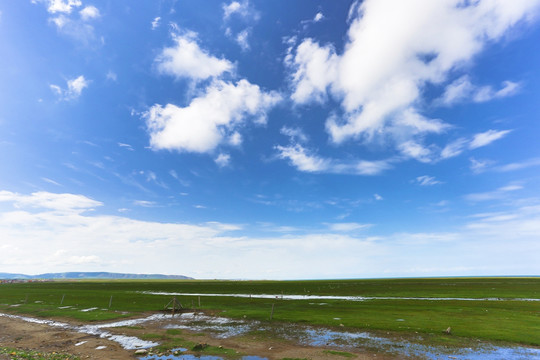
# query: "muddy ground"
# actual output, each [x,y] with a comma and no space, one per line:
[20,334]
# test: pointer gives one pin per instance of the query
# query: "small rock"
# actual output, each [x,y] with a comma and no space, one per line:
[141,352]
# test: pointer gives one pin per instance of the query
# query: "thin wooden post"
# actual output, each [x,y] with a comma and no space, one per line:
[62,301]
[199,301]
[272,312]
[110,302]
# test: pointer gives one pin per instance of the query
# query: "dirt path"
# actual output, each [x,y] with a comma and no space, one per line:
[20,334]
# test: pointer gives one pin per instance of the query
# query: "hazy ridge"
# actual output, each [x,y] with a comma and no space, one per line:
[90,275]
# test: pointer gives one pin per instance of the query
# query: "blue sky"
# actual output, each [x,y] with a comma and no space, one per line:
[270,139]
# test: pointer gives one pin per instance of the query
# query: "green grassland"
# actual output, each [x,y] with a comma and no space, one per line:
[511,321]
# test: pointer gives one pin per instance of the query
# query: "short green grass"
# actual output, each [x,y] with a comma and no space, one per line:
[511,321]
[19,354]
[339,353]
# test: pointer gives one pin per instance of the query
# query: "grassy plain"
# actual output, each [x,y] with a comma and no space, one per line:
[514,321]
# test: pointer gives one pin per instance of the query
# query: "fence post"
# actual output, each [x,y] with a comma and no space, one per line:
[110,302]
[272,312]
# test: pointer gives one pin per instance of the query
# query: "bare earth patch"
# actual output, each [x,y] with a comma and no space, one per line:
[20,334]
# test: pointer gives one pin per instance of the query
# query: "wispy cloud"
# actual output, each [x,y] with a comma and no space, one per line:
[487,138]
[462,90]
[497,194]
[426,180]
[126,146]
[74,88]
[155,22]
[305,160]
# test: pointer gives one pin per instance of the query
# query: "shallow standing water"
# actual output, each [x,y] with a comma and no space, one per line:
[346,340]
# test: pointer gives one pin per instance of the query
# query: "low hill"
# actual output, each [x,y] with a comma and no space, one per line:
[90,275]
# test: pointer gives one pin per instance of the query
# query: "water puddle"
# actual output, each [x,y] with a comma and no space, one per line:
[127,342]
[331,297]
[221,327]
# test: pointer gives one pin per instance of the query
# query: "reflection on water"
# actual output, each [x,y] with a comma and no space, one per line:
[224,328]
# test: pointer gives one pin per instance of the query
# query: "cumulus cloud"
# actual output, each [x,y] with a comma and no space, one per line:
[242,39]
[74,88]
[242,9]
[318,17]
[209,119]
[187,60]
[304,160]
[68,24]
[394,50]
[223,160]
[89,12]
[62,6]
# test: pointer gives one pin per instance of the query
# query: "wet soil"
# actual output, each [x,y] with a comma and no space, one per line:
[20,334]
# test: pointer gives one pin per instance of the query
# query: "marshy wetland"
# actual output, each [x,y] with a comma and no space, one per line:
[443,318]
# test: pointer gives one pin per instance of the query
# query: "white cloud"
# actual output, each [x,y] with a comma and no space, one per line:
[486,138]
[462,90]
[223,160]
[454,148]
[416,151]
[89,12]
[294,134]
[155,23]
[36,240]
[394,50]
[316,68]
[187,60]
[318,17]
[242,9]
[74,88]
[519,165]
[377,197]
[111,76]
[144,203]
[500,193]
[50,201]
[348,227]
[62,6]
[426,180]
[126,146]
[304,160]
[242,39]
[72,27]
[210,118]
[479,166]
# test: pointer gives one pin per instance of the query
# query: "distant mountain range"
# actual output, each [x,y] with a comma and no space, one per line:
[90,275]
